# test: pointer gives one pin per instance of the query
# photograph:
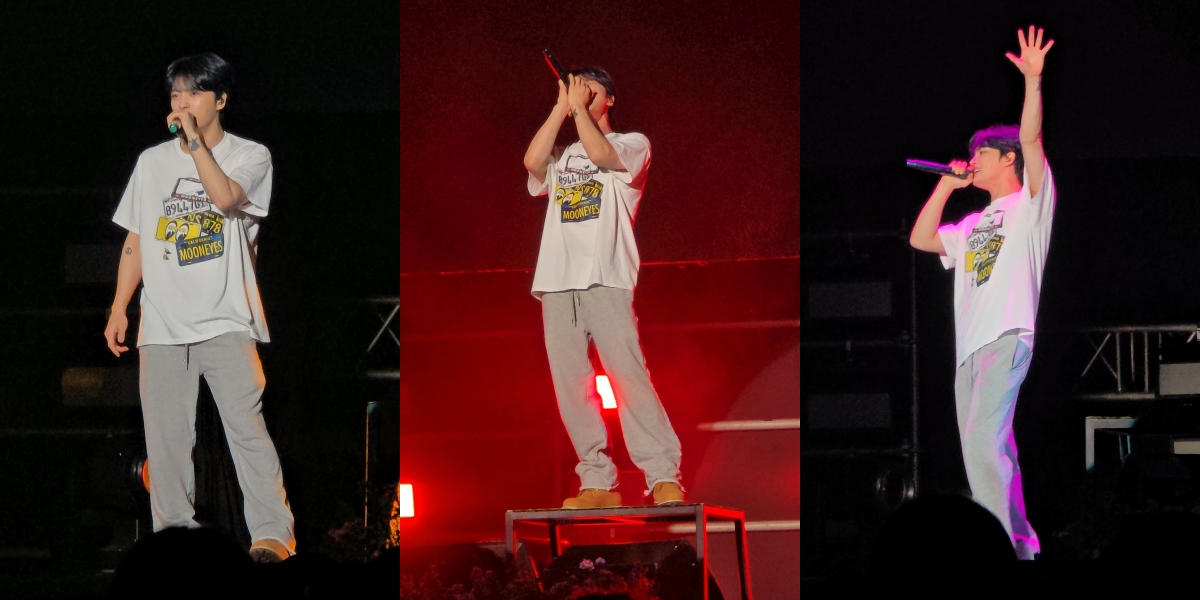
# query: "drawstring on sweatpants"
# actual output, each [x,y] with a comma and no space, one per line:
[187,360]
[574,300]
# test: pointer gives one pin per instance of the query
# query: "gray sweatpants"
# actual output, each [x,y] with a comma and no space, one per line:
[605,316]
[985,391]
[170,387]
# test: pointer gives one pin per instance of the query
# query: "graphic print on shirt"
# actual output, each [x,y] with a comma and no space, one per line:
[983,247]
[190,224]
[576,192]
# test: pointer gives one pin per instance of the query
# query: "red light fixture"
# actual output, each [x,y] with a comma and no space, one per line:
[406,501]
[604,388]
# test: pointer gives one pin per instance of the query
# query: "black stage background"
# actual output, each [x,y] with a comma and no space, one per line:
[82,96]
[883,82]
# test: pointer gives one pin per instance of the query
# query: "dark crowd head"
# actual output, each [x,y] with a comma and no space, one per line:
[204,72]
[178,562]
[939,535]
[1005,138]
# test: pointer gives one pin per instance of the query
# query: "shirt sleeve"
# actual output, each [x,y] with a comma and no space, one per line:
[254,174]
[952,243]
[127,213]
[541,188]
[633,150]
[538,188]
[1043,203]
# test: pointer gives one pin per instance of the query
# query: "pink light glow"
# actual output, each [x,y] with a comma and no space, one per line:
[406,501]
[606,393]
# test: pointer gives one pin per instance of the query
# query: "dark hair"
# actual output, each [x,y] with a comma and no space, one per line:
[1005,138]
[600,76]
[205,72]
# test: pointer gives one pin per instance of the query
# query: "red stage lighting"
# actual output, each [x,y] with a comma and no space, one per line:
[406,501]
[608,400]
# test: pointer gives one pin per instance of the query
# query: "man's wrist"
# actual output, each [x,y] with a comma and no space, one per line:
[195,144]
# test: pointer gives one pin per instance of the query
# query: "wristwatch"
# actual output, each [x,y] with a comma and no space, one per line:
[194,144]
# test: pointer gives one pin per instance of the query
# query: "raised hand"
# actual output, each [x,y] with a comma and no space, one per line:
[562,97]
[186,120]
[1033,53]
[952,181]
[579,94]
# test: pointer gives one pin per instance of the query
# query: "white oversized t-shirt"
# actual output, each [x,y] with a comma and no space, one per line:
[587,238]
[998,256]
[197,262]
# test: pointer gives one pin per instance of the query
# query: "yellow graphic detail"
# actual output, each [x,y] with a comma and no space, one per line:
[192,226]
[170,230]
[192,253]
[579,193]
[981,262]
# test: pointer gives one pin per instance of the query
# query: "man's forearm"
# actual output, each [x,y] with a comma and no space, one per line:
[1031,112]
[538,154]
[216,183]
[129,274]
[925,231]
[597,147]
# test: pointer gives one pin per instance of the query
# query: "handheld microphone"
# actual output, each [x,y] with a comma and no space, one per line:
[932,167]
[556,67]
[173,127]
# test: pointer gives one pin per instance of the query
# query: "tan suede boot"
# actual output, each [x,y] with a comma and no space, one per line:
[268,551]
[666,492]
[593,498]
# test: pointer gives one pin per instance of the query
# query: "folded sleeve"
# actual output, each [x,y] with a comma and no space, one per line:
[1043,203]
[538,188]
[254,174]
[633,150]
[541,188]
[127,213]
[952,243]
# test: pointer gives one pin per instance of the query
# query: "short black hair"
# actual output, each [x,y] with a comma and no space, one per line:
[1005,138]
[205,72]
[598,75]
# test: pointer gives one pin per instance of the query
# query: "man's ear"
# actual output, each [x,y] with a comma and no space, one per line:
[1010,158]
[222,101]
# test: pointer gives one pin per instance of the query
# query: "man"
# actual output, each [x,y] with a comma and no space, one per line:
[192,209]
[998,256]
[586,272]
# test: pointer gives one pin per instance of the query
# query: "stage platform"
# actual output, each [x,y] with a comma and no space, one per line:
[637,516]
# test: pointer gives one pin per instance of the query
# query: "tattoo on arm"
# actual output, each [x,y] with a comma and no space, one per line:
[1039,87]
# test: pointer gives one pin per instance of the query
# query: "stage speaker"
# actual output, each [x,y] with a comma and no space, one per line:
[671,564]
[850,411]
[850,299]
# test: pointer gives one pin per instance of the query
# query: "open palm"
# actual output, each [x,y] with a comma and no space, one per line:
[1033,54]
